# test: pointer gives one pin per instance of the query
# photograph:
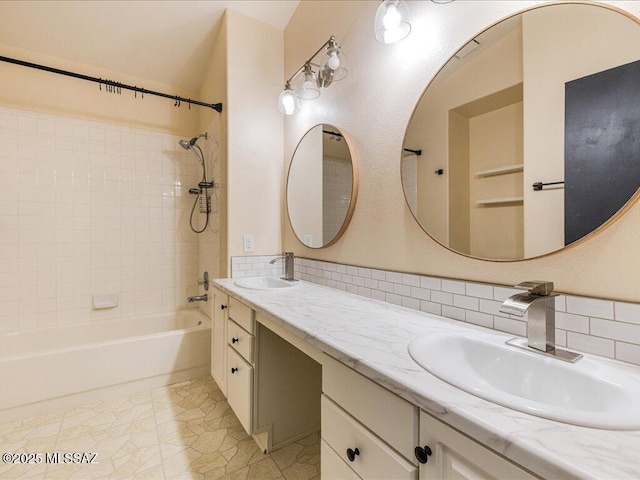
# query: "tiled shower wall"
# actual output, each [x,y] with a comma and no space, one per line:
[602,327]
[91,208]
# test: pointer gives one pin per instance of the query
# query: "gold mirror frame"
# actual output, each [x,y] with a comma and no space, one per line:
[354,189]
[627,205]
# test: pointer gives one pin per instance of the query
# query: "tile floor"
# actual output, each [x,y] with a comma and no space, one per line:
[183,431]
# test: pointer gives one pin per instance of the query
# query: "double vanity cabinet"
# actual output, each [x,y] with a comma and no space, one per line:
[283,386]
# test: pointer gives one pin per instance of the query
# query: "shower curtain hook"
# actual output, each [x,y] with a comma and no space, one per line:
[100,84]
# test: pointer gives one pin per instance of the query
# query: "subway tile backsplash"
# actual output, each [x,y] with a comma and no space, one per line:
[592,325]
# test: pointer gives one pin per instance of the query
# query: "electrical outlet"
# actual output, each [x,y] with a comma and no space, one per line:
[247,243]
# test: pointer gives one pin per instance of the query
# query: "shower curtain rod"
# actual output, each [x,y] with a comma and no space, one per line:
[115,86]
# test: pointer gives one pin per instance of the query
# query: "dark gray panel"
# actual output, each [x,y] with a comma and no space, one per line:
[602,147]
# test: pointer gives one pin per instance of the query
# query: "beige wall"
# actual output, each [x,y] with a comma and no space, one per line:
[557,49]
[215,86]
[46,92]
[254,134]
[373,106]
[304,187]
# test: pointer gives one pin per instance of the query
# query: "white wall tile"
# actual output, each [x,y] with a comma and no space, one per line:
[574,323]
[409,302]
[453,312]
[592,307]
[628,352]
[402,290]
[468,303]
[625,332]
[421,293]
[509,325]
[453,286]
[590,344]
[411,280]
[393,277]
[479,318]
[627,312]
[479,290]
[561,337]
[442,297]
[432,283]
[431,307]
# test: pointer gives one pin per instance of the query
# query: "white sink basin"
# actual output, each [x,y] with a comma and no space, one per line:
[265,283]
[588,393]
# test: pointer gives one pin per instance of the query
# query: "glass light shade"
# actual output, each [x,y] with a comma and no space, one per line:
[308,90]
[325,77]
[335,61]
[288,102]
[392,23]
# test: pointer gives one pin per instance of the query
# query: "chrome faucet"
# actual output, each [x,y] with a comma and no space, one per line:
[540,303]
[198,298]
[288,265]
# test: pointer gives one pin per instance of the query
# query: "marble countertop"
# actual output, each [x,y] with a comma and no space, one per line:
[372,337]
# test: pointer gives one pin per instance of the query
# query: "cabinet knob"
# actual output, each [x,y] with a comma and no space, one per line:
[234,340]
[222,307]
[422,454]
[351,454]
[234,370]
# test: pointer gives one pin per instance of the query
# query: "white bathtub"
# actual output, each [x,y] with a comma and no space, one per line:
[40,368]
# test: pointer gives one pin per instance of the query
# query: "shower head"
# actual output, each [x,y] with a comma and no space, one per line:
[188,144]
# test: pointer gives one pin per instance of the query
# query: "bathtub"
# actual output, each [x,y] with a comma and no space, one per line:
[58,367]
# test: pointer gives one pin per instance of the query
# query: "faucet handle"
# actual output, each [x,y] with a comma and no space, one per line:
[537,287]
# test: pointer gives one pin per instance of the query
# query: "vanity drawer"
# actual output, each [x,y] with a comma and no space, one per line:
[387,415]
[240,340]
[375,459]
[240,388]
[332,466]
[241,314]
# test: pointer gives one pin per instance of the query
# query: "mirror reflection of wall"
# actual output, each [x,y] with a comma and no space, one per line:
[494,120]
[320,187]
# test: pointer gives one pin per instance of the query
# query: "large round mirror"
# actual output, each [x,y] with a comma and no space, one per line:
[528,139]
[321,187]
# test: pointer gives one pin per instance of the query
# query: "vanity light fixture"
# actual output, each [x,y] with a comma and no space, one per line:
[392,21]
[315,75]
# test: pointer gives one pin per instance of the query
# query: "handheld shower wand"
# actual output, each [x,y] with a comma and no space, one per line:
[203,198]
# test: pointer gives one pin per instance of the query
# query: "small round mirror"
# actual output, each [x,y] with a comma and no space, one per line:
[321,187]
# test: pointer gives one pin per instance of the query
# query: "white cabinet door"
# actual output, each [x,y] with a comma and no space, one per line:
[240,388]
[219,339]
[455,456]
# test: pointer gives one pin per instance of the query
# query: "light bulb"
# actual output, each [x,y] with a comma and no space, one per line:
[392,23]
[288,102]
[334,61]
[392,18]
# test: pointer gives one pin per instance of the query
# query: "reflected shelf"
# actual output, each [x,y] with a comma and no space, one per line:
[497,201]
[518,167]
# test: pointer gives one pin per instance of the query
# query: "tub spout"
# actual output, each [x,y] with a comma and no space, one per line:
[198,298]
